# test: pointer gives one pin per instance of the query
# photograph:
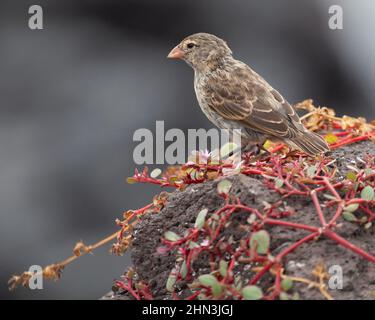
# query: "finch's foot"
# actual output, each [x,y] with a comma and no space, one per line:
[251,149]
[252,153]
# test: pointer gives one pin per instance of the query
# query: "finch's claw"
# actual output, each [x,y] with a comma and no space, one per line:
[252,153]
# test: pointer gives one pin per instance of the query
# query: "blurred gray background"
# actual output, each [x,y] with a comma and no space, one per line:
[72,95]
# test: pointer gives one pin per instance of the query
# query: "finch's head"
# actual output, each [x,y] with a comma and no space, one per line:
[201,51]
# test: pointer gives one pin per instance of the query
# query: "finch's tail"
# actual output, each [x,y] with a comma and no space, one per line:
[310,143]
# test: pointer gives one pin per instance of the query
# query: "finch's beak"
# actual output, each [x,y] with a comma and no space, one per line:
[176,53]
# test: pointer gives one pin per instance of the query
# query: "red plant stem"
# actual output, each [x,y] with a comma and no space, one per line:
[147,294]
[369,212]
[349,141]
[141,211]
[342,133]
[194,295]
[277,148]
[234,292]
[282,254]
[231,265]
[208,166]
[277,289]
[319,211]
[372,175]
[360,201]
[128,288]
[331,188]
[337,125]
[356,200]
[334,236]
[275,222]
[293,190]
[296,245]
[337,186]
[222,223]
[261,273]
[248,209]
[254,171]
[142,179]
[336,215]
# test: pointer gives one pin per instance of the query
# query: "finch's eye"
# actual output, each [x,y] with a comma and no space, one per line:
[191,45]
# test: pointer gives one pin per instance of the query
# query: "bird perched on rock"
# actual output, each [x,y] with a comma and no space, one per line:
[233,96]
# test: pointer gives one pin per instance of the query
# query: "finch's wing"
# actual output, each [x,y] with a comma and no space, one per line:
[271,114]
[247,98]
[228,98]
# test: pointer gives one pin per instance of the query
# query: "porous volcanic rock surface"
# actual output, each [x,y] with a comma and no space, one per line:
[182,208]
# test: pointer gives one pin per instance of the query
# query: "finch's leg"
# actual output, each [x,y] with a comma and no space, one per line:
[253,152]
[251,149]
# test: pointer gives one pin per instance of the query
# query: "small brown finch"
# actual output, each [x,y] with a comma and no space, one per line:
[233,96]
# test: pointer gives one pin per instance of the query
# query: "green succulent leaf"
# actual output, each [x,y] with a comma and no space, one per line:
[363,220]
[368,225]
[183,270]
[252,293]
[199,222]
[171,281]
[217,289]
[155,173]
[224,186]
[286,284]
[349,216]
[368,193]
[311,171]
[329,197]
[283,296]
[261,241]
[171,236]
[351,207]
[279,183]
[207,280]
[227,149]
[351,176]
[223,267]
[193,245]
